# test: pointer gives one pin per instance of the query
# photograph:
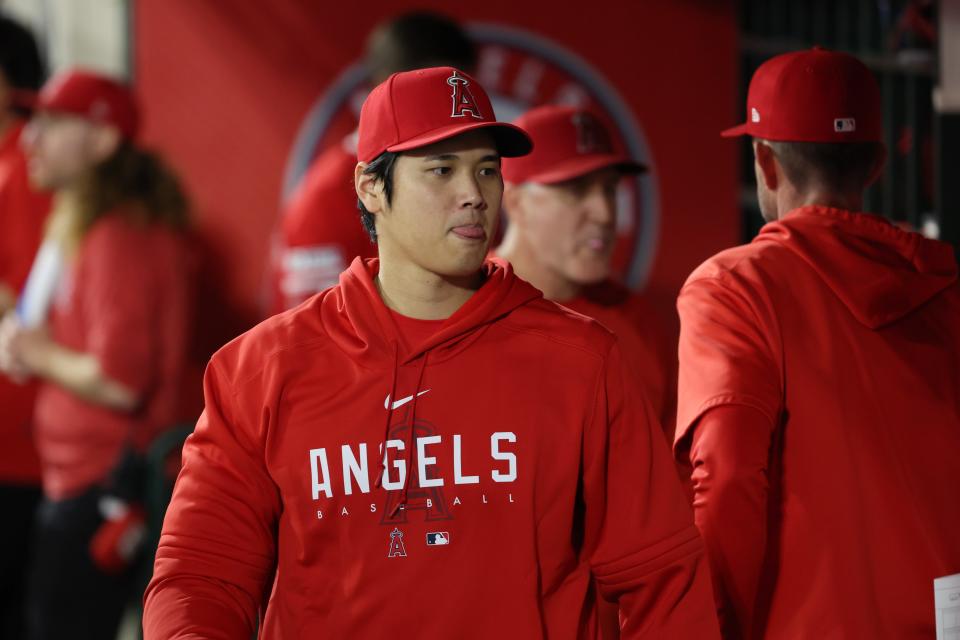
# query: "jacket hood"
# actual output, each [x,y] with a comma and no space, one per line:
[880,272]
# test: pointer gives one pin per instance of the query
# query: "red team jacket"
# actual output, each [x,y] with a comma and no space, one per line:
[517,465]
[841,334]
[22,215]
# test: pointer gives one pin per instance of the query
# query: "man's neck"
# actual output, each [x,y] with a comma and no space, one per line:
[417,293]
[553,285]
[791,200]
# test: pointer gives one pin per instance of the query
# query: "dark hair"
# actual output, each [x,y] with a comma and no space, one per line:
[381,168]
[419,39]
[20,61]
[137,179]
[840,167]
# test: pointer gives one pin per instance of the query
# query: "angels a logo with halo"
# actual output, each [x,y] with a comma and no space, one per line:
[519,70]
[463,100]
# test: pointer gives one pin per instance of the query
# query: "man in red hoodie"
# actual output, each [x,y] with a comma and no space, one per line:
[428,449]
[819,378]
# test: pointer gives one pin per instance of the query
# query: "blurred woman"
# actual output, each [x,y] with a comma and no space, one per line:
[103,326]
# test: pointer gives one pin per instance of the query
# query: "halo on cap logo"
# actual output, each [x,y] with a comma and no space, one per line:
[519,70]
[463,101]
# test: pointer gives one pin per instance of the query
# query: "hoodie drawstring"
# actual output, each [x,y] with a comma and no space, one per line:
[389,407]
[410,435]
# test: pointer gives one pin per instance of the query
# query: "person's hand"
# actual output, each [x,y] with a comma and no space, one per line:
[21,348]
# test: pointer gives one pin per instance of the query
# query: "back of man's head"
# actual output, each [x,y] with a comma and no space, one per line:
[836,167]
[417,40]
[21,67]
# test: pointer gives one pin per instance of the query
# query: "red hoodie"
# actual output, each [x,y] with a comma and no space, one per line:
[531,469]
[820,382]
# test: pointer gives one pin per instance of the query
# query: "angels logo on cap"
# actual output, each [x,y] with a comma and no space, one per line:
[409,110]
[463,100]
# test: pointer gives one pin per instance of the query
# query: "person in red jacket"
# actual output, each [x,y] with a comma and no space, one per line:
[106,342]
[319,234]
[819,380]
[23,211]
[428,449]
[560,201]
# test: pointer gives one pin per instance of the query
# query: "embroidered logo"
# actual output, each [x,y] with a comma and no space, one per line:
[402,401]
[397,550]
[463,100]
[845,125]
[438,539]
[591,136]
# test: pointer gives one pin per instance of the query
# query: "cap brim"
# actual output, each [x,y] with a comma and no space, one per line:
[581,166]
[511,141]
[739,130]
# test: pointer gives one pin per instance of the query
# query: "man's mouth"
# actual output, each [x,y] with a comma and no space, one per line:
[470,232]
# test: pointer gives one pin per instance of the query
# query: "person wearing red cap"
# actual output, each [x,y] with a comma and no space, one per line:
[819,378]
[102,326]
[319,234]
[22,214]
[560,201]
[428,449]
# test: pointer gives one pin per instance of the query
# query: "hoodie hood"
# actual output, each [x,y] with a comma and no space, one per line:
[358,321]
[880,272]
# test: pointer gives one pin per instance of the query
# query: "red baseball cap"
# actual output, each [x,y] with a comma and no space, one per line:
[812,96]
[569,142]
[91,96]
[415,108]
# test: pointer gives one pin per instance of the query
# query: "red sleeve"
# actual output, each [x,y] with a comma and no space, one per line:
[115,281]
[729,453]
[218,548]
[726,354]
[645,551]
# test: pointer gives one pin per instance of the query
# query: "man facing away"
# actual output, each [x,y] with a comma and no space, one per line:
[819,381]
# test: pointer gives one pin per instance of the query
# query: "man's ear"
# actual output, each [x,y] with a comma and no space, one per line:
[766,164]
[369,190]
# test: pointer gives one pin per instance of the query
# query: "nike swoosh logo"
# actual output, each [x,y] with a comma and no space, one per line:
[402,401]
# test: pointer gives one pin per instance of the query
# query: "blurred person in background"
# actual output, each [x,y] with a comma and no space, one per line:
[109,352]
[318,226]
[561,206]
[22,214]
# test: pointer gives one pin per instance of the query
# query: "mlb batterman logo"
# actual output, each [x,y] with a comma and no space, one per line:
[438,539]
[845,125]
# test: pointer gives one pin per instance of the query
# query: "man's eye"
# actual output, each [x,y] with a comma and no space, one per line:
[441,171]
[489,171]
